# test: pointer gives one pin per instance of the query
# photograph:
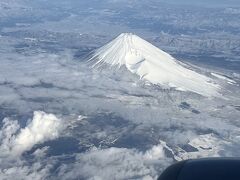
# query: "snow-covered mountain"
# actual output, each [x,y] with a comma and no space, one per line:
[154,65]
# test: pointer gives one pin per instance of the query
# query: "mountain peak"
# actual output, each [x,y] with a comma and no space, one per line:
[152,64]
[126,34]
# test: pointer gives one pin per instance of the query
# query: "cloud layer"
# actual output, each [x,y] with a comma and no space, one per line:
[116,163]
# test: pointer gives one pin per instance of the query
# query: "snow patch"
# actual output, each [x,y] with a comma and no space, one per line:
[223,78]
[208,145]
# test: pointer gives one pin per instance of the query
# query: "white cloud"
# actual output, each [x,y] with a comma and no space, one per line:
[117,163]
[41,153]
[156,152]
[43,127]
[95,164]
[7,135]
[19,171]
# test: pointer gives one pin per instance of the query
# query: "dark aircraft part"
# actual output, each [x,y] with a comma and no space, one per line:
[203,169]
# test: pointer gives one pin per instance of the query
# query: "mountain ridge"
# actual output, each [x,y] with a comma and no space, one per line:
[154,65]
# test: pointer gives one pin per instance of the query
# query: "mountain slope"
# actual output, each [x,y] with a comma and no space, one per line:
[154,65]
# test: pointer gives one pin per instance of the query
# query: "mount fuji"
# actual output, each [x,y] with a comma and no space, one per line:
[154,65]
